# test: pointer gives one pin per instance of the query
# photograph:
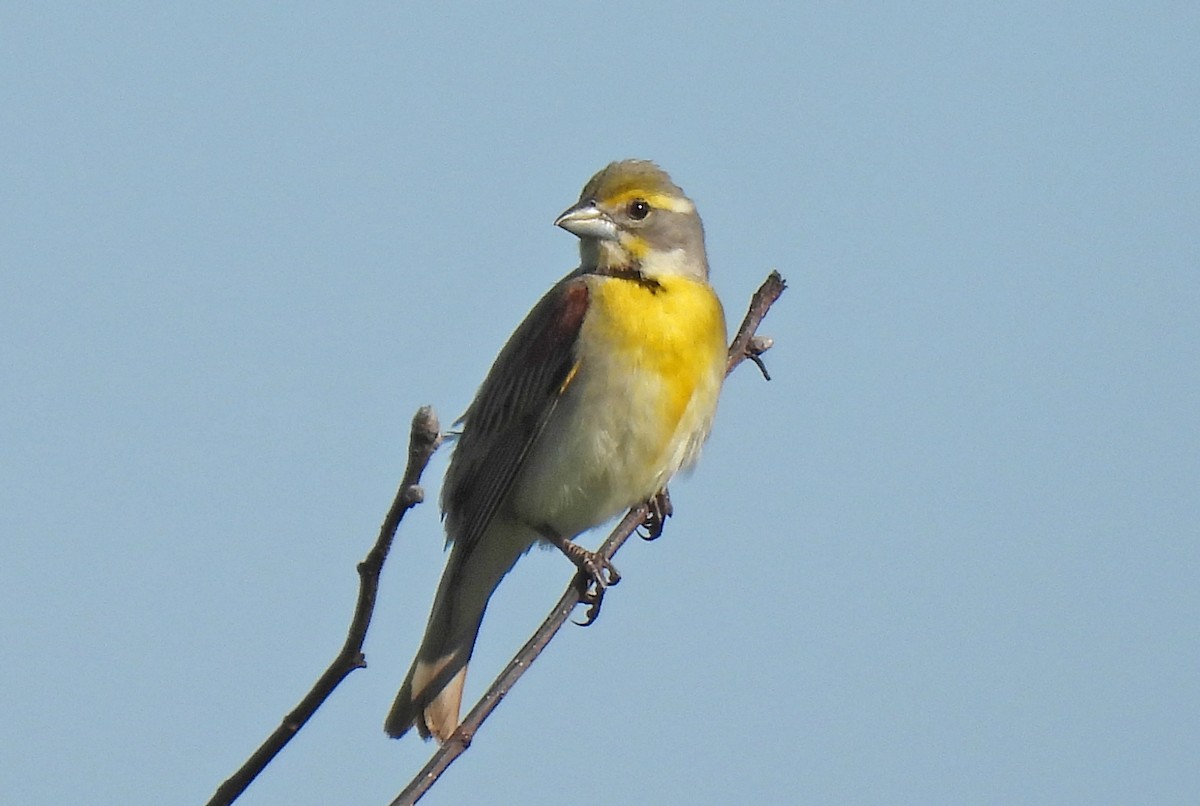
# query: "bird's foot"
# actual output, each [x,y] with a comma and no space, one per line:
[596,574]
[658,509]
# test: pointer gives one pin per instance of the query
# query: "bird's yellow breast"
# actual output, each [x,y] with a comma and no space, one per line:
[636,410]
[673,330]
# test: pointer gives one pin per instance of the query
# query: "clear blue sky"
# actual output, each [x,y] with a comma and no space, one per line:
[950,554]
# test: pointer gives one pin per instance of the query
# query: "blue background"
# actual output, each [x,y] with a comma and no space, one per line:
[948,555]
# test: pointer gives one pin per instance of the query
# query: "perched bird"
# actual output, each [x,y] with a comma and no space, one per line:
[603,393]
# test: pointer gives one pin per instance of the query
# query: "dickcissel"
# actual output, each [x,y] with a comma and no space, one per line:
[604,392]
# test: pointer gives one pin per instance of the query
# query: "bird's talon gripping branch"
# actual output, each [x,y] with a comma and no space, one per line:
[596,575]
[596,572]
[658,509]
[591,595]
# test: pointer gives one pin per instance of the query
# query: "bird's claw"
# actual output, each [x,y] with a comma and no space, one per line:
[596,575]
[596,572]
[658,509]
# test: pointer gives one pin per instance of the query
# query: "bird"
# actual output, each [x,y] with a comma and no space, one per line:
[604,392]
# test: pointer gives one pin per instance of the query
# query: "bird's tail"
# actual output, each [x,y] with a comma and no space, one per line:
[432,693]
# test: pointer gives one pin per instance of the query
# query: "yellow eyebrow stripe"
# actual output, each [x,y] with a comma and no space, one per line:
[662,201]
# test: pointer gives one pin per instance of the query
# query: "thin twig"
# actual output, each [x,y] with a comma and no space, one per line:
[745,346]
[424,439]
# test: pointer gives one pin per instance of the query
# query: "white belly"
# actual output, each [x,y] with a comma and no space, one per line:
[583,472]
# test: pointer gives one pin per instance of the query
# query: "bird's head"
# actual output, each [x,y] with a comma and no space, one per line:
[631,217]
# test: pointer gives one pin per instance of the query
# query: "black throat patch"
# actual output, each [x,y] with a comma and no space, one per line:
[632,275]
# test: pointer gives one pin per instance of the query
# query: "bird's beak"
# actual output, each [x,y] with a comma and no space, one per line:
[587,221]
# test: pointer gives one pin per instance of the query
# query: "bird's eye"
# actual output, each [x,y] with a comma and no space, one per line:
[639,209]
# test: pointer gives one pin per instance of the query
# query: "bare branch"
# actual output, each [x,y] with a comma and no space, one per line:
[746,345]
[424,439]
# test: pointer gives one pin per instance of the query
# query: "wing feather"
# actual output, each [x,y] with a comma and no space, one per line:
[511,410]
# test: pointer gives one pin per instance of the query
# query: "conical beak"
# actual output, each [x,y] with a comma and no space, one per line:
[587,221]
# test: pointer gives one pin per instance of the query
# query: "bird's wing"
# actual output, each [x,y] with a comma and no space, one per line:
[510,410]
